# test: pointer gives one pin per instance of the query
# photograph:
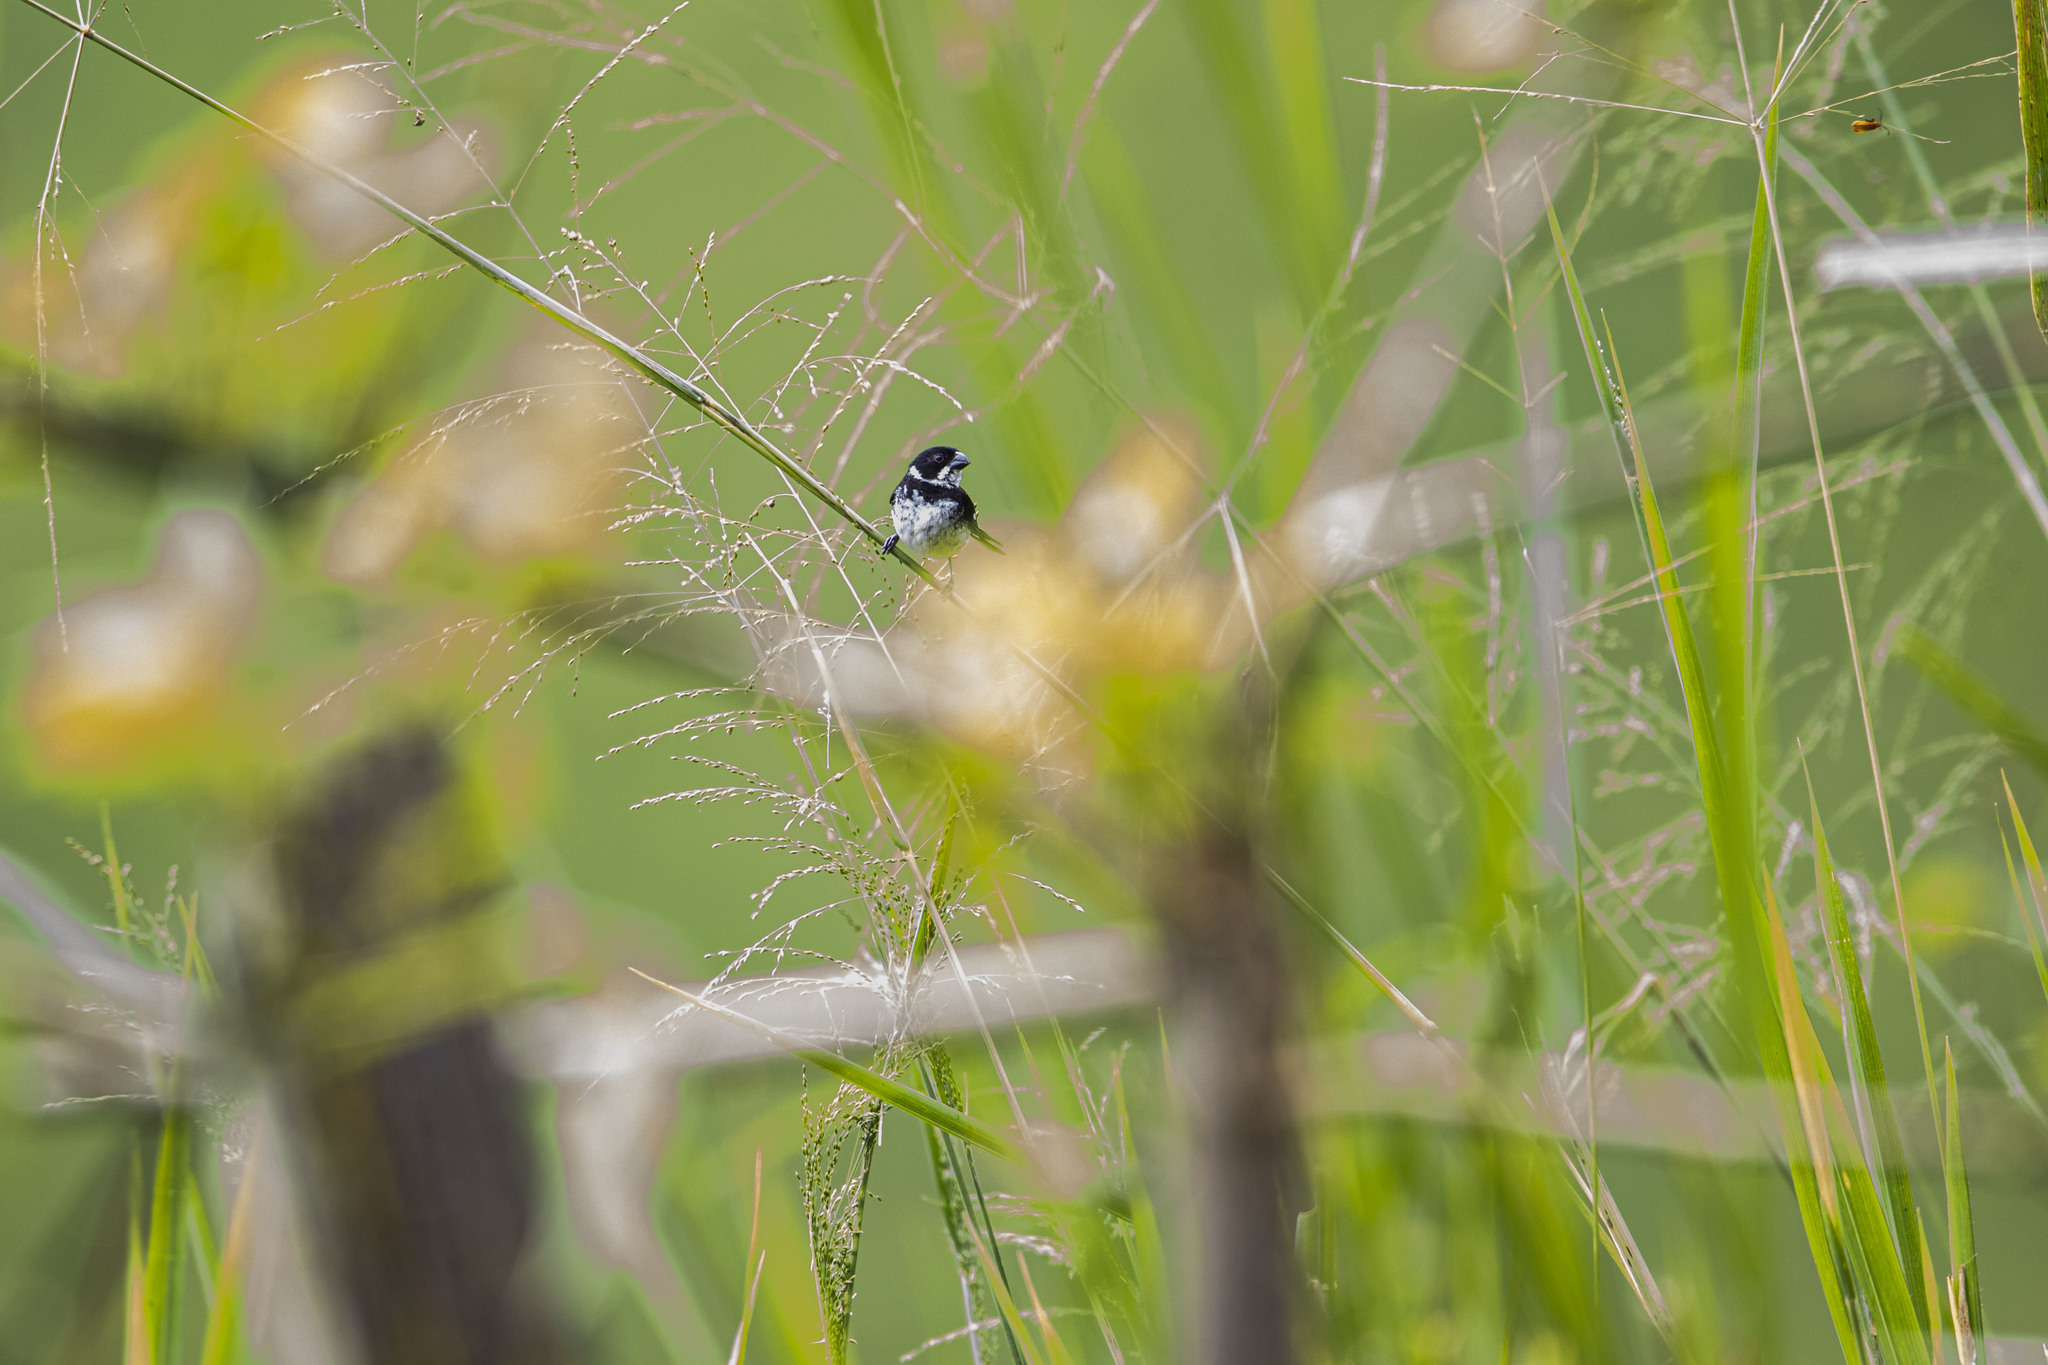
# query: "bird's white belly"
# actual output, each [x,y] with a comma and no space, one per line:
[926,530]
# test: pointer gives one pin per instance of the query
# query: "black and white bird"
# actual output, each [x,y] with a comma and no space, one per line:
[930,511]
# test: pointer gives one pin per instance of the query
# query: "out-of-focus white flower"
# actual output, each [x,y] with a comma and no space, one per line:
[534,471]
[131,668]
[1484,35]
[1331,537]
[90,301]
[348,116]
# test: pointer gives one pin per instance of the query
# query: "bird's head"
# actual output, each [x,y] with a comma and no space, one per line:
[939,464]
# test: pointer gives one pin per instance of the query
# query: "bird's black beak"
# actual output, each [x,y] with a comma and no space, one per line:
[959,462]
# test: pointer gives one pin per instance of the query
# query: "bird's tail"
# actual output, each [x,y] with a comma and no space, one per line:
[985,538]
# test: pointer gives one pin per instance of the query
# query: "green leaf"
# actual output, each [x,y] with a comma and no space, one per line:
[1868,1062]
[1962,1235]
[1294,34]
[1961,684]
[1800,1100]
[1158,286]
[1242,99]
[163,1262]
[1728,816]
[2036,895]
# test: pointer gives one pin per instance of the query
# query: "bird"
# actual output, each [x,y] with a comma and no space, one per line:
[930,511]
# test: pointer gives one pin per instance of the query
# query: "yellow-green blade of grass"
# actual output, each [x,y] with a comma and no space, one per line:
[1858,1224]
[894,1093]
[2037,882]
[1874,1261]
[1962,1234]
[164,1262]
[134,1297]
[1006,1308]
[223,1340]
[1739,698]
[1868,1063]
[1294,38]
[1728,820]
[2030,28]
[199,1237]
[1961,684]
[1725,494]
[1165,305]
[959,1186]
[2020,898]
[1226,51]
[1802,1117]
[1055,1349]
[1731,484]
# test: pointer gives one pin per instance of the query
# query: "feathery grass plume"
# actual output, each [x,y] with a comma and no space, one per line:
[839,1141]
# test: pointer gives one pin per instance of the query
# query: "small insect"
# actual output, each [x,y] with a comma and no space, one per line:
[1871,123]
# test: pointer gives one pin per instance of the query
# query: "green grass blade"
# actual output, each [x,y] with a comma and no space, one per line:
[2021,898]
[2037,881]
[2030,28]
[222,1344]
[2036,897]
[1876,1264]
[895,1093]
[135,1342]
[1006,1309]
[1868,1064]
[1226,51]
[1160,291]
[1728,820]
[199,1238]
[1802,1116]
[1857,1224]
[1962,1234]
[1294,36]
[960,1197]
[164,1261]
[1961,684]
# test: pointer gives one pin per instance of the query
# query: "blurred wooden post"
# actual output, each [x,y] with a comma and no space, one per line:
[407,1132]
[1228,989]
